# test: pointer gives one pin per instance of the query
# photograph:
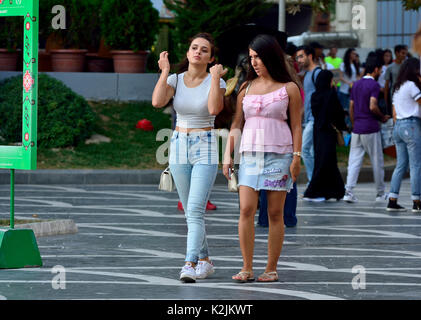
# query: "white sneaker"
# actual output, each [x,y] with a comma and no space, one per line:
[349,197]
[204,269]
[382,198]
[188,273]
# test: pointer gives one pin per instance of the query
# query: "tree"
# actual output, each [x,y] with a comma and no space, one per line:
[324,5]
[213,16]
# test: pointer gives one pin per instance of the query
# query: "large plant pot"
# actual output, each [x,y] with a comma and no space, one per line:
[126,61]
[44,61]
[68,60]
[95,63]
[8,60]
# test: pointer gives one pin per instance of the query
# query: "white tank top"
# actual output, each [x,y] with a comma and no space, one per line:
[191,104]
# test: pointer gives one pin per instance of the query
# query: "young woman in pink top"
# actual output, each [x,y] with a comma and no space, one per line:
[269,109]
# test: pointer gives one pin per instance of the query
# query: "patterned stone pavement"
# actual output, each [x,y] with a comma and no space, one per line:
[131,245]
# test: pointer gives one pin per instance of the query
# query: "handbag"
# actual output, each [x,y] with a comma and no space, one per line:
[339,137]
[233,182]
[166,182]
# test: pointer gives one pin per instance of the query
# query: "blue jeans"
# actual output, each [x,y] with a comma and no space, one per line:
[407,136]
[194,168]
[308,149]
[290,208]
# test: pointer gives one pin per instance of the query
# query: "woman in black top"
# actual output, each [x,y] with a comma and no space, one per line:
[326,181]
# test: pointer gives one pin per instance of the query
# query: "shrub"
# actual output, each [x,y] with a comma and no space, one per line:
[129,25]
[11,33]
[64,118]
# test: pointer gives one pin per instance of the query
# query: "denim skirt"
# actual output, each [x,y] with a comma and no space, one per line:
[265,171]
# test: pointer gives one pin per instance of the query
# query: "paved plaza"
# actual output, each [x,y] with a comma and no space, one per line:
[131,245]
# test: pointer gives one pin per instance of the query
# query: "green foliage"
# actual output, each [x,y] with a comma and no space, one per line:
[411,4]
[129,25]
[76,35]
[11,33]
[213,16]
[64,118]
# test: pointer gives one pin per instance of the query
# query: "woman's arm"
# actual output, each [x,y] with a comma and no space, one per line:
[235,132]
[216,94]
[295,111]
[162,92]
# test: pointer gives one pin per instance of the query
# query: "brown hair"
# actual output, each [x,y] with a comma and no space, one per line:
[184,65]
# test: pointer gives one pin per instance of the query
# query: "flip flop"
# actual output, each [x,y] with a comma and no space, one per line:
[243,277]
[268,277]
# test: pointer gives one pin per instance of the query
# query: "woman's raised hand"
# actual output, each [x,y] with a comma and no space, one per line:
[163,62]
[218,71]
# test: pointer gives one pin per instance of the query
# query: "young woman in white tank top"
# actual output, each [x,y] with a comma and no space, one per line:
[198,91]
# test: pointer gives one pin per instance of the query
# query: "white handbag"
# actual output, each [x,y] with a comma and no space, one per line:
[166,182]
[233,182]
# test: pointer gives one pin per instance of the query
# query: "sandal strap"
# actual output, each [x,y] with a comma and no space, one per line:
[244,274]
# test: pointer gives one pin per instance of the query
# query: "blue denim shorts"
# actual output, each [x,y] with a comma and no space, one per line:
[265,171]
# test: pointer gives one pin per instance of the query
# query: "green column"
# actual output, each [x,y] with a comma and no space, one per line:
[12,198]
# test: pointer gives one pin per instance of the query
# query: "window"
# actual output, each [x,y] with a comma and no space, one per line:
[395,25]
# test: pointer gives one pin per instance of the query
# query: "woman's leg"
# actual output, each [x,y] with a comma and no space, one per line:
[276,201]
[248,207]
[412,138]
[201,183]
[402,164]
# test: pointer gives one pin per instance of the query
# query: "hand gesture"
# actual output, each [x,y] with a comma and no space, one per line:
[218,71]
[163,62]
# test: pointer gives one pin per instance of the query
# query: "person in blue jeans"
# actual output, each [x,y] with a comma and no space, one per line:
[407,134]
[305,58]
[290,208]
[193,156]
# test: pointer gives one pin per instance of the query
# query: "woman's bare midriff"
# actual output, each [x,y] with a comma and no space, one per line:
[188,130]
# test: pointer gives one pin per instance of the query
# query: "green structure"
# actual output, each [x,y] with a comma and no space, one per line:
[18,247]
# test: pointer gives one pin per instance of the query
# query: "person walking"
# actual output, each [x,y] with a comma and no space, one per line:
[407,134]
[366,137]
[348,74]
[193,158]
[401,52]
[333,59]
[328,114]
[270,149]
[305,56]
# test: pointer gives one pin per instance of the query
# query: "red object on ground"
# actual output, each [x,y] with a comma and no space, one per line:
[145,125]
[209,206]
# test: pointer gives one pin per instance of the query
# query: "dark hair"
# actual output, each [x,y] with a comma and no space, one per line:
[391,53]
[400,47]
[347,62]
[409,71]
[272,56]
[184,65]
[308,50]
[316,45]
[373,61]
[290,49]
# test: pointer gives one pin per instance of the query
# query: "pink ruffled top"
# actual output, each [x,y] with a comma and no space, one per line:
[265,128]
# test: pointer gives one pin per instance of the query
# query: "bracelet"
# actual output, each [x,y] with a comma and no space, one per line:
[298,154]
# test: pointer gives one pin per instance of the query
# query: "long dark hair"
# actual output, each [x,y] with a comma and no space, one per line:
[409,71]
[347,62]
[273,57]
[184,65]
[391,55]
